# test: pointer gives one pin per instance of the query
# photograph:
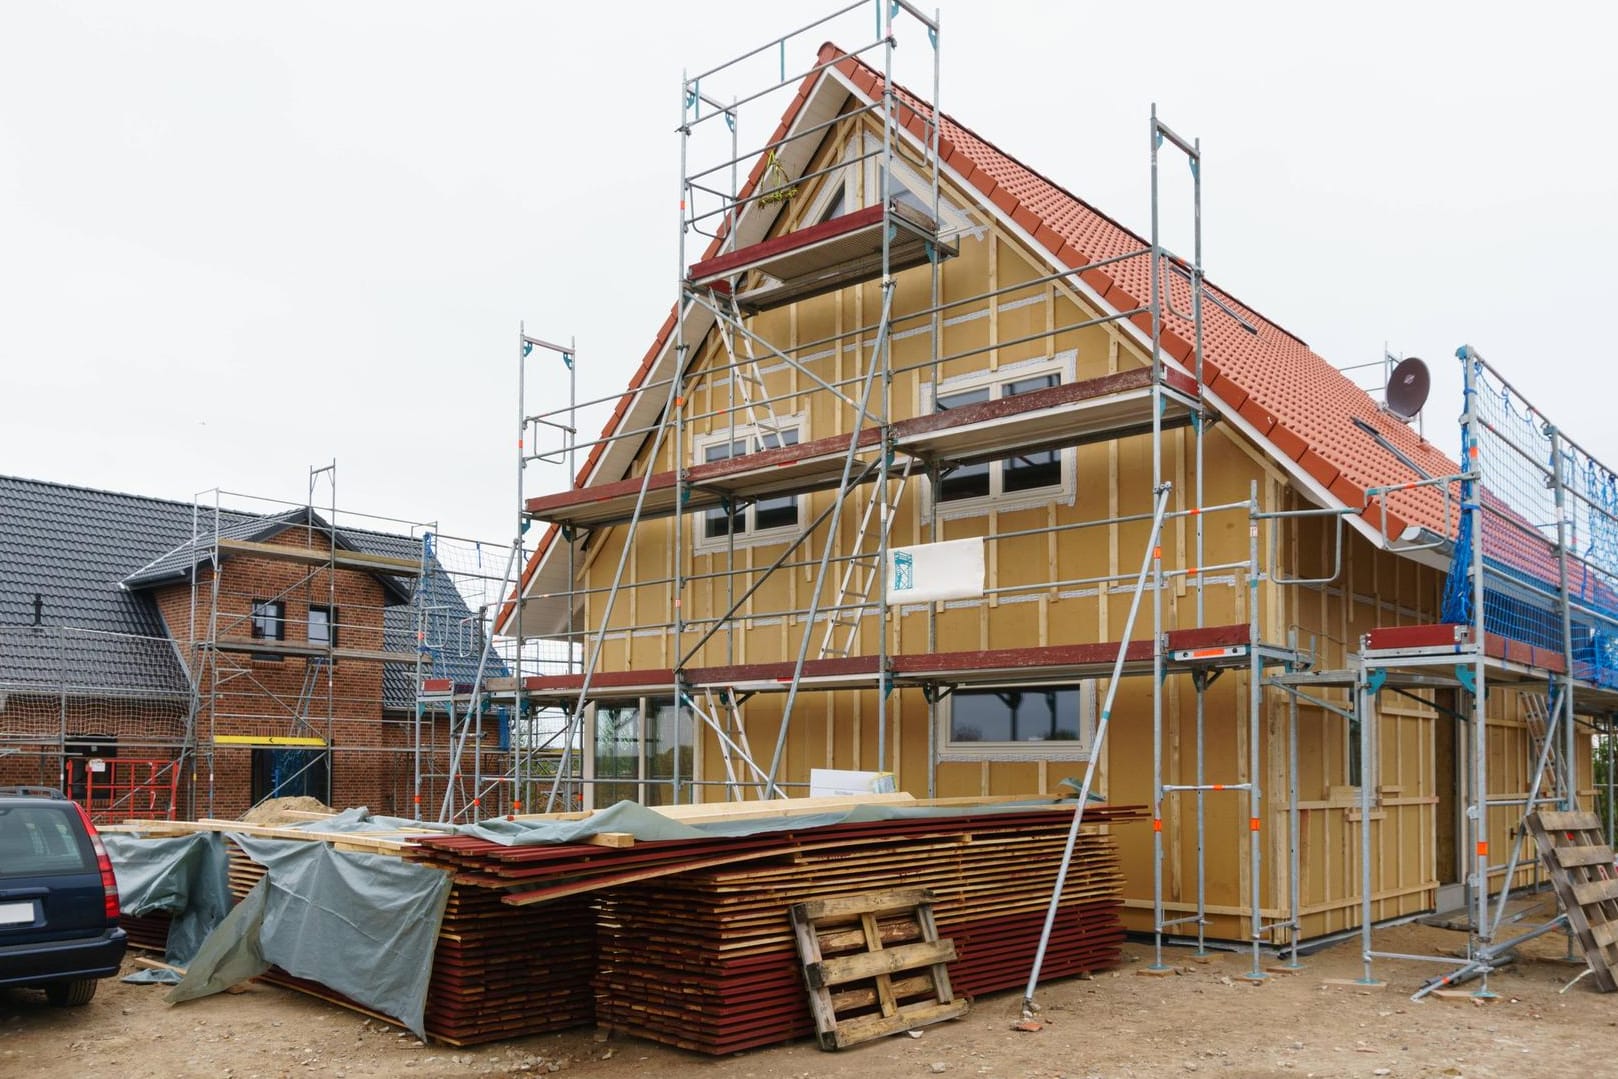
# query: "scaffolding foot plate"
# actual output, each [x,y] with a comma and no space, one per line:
[1158,972]
[1355,983]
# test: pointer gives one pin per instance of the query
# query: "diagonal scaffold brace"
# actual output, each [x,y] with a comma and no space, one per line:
[1149,569]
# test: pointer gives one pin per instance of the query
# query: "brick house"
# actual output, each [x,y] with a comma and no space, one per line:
[159,659]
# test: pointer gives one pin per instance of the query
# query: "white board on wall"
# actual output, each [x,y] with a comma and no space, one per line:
[831,782]
[952,569]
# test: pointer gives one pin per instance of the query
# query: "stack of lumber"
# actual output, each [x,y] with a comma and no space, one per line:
[706,960]
[147,931]
[689,941]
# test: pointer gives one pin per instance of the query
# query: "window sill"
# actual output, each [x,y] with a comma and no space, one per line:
[721,544]
[1014,751]
[1027,500]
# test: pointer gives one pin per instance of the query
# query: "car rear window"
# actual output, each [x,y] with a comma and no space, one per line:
[42,840]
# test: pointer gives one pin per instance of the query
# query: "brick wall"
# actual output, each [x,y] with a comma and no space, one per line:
[252,695]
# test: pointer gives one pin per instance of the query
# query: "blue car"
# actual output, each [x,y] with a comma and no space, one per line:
[58,897]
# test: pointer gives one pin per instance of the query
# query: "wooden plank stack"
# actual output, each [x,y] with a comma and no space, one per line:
[874,965]
[706,960]
[689,942]
[149,932]
[1580,863]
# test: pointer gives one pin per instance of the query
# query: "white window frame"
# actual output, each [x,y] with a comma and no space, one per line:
[751,536]
[1063,364]
[951,749]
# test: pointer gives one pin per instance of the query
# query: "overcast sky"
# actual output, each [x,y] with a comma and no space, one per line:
[237,240]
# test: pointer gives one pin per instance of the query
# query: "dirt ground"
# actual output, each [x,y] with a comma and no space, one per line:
[1202,1019]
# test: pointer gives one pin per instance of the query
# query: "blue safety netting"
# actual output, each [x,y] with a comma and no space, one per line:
[1535,490]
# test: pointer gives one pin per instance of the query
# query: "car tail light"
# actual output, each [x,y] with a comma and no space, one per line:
[109,880]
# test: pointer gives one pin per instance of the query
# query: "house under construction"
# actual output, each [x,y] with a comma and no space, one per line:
[164,659]
[937,470]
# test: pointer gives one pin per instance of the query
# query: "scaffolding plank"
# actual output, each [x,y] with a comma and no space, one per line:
[1071,414]
[1441,635]
[308,556]
[263,647]
[917,668]
[828,256]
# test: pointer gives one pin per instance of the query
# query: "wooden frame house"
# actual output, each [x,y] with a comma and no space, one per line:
[937,466]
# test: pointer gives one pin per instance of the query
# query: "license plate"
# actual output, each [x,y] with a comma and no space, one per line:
[16,913]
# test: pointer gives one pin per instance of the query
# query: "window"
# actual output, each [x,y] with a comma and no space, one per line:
[1021,480]
[644,752]
[323,626]
[765,519]
[44,840]
[1022,722]
[836,205]
[269,619]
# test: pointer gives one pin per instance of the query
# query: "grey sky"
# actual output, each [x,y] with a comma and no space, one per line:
[237,240]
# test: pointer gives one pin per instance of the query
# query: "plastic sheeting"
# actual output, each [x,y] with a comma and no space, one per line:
[648,824]
[364,925]
[186,876]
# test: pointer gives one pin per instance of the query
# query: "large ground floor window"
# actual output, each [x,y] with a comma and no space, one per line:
[1018,722]
[644,751]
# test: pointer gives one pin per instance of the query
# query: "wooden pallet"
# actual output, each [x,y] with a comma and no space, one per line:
[874,965]
[1580,865]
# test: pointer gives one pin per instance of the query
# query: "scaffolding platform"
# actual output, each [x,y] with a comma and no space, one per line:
[1231,643]
[338,558]
[823,258]
[1445,641]
[1112,406]
[1072,414]
[262,647]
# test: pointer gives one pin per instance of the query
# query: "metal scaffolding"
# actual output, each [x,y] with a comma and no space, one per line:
[1530,606]
[715,348]
[709,372]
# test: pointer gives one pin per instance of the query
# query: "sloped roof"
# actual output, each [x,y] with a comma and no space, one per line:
[1262,377]
[180,563]
[83,550]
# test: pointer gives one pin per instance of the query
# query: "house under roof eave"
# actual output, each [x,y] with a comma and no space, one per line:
[1307,417]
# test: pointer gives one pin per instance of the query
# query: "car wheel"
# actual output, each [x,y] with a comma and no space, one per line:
[71,994]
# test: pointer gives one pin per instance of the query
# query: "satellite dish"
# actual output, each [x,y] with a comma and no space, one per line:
[1408,388]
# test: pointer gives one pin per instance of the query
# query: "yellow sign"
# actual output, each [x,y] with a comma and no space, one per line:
[266,740]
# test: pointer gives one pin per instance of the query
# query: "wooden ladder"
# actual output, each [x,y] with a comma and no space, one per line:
[1580,864]
[873,965]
